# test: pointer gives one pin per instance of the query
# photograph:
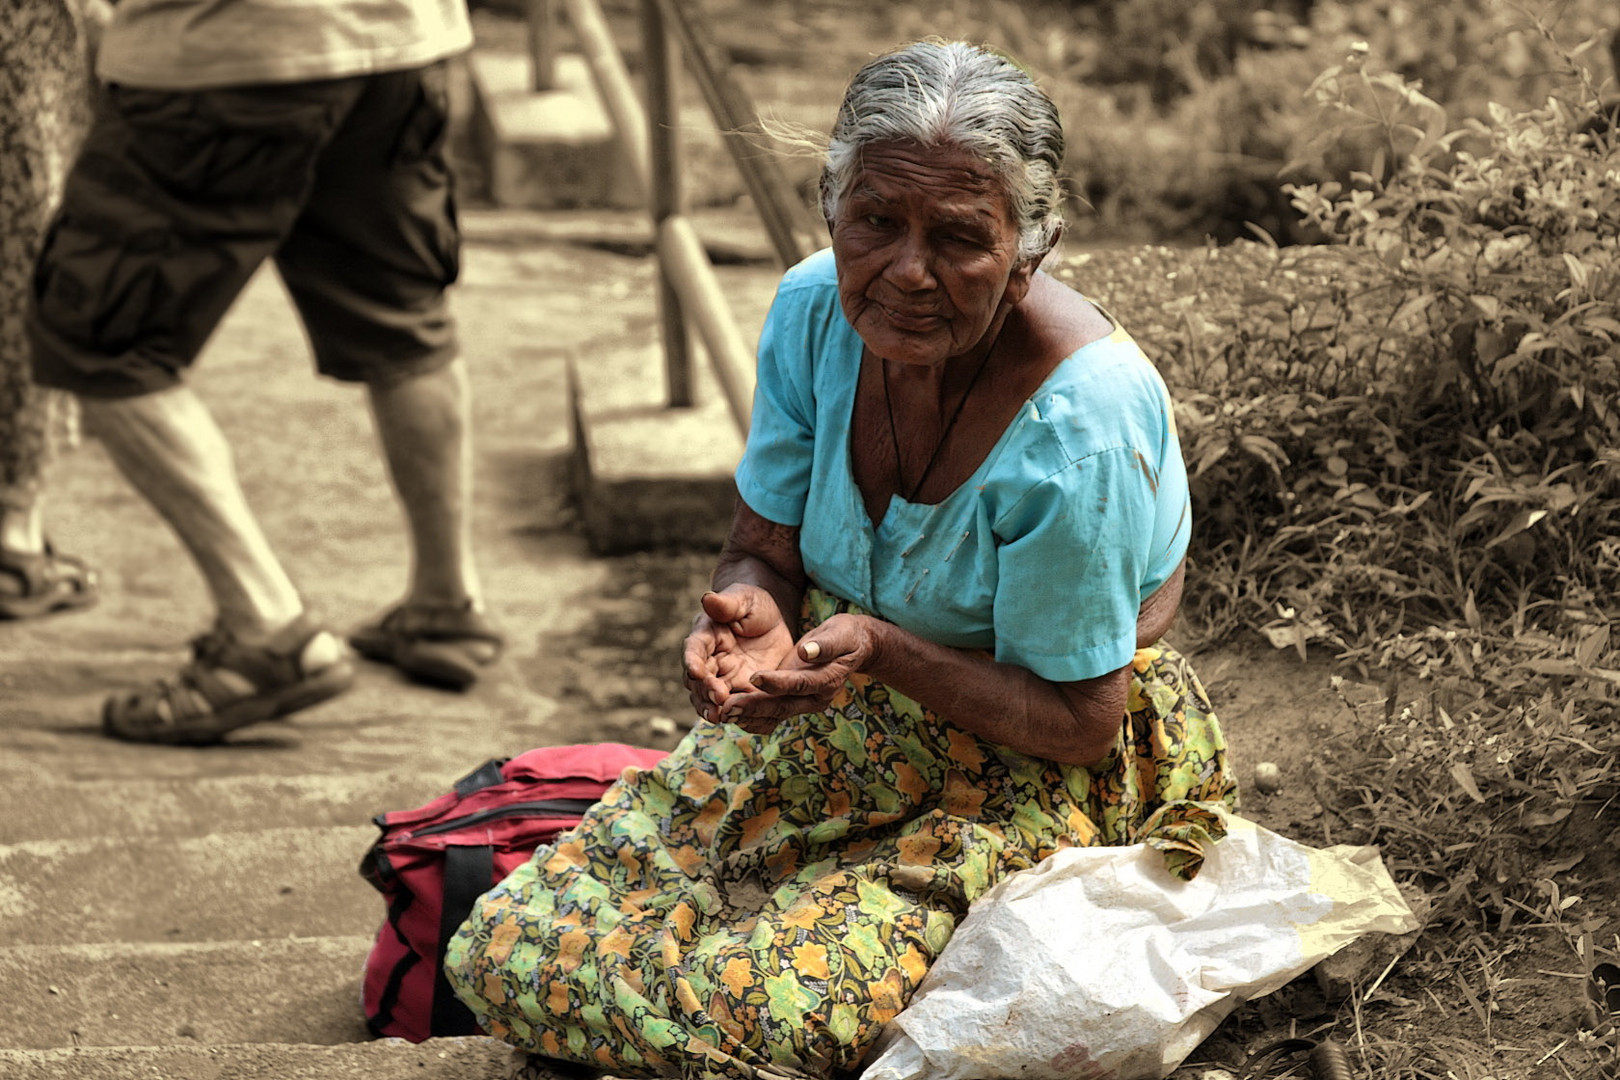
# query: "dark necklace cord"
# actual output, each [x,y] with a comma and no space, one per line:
[894,438]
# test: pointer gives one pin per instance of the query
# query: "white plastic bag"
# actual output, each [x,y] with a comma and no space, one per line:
[1098,964]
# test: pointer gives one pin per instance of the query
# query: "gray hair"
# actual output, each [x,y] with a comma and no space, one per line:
[951,92]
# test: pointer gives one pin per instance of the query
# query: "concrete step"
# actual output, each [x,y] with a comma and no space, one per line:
[631,494]
[550,149]
[209,993]
[274,883]
[387,1059]
[176,808]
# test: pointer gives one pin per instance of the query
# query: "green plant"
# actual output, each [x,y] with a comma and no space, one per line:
[1403,447]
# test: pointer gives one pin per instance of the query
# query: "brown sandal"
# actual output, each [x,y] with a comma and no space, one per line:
[228,685]
[443,644]
[46,582]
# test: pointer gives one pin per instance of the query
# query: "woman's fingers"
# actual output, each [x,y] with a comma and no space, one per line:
[723,607]
[702,677]
[739,608]
[749,710]
[697,659]
[799,682]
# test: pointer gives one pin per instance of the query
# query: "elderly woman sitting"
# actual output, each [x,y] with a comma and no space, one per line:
[931,657]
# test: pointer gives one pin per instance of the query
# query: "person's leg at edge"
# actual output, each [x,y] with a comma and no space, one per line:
[23,528]
[35,578]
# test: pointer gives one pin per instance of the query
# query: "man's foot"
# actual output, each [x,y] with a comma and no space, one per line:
[228,685]
[38,583]
[442,644]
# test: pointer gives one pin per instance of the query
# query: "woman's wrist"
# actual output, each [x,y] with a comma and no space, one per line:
[877,643]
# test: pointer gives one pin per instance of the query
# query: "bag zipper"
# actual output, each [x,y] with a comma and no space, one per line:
[543,808]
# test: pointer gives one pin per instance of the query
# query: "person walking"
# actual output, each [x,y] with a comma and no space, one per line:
[232,131]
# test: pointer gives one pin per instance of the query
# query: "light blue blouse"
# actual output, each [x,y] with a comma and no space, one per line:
[1078,513]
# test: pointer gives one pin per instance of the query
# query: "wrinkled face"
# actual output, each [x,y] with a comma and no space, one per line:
[926,248]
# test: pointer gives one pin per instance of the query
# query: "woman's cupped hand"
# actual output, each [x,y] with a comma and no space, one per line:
[743,667]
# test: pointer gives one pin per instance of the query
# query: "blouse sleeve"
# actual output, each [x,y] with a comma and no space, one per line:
[1073,555]
[773,477]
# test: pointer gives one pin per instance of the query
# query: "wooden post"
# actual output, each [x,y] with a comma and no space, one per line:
[794,230]
[664,195]
[614,84]
[541,16]
[702,297]
[679,248]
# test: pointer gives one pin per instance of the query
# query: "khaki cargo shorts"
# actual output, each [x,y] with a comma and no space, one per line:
[178,196]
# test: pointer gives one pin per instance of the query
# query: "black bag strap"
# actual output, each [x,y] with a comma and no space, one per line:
[384,1015]
[486,775]
[469,872]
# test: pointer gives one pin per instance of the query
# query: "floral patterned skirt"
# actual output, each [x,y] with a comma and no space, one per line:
[761,905]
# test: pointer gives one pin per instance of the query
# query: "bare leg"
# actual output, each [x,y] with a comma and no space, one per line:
[34,579]
[169,447]
[23,530]
[424,424]
[440,634]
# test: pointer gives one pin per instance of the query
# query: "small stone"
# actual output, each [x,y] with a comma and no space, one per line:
[1268,778]
[662,726]
[53,989]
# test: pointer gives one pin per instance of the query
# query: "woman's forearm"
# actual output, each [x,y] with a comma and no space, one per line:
[1075,723]
[1072,722]
[762,553]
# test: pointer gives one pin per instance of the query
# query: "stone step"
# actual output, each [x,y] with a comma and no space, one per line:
[550,149]
[274,883]
[210,993]
[632,497]
[175,808]
[387,1059]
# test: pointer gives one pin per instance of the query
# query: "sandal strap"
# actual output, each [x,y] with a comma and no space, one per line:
[219,659]
[442,622]
[222,672]
[28,568]
[39,571]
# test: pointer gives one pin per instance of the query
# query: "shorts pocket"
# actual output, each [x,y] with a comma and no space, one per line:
[229,145]
[114,291]
[422,136]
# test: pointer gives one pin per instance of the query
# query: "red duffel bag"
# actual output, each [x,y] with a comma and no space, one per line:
[432,863]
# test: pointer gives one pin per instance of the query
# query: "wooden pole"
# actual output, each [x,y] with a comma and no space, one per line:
[664,195]
[613,82]
[541,17]
[681,253]
[795,231]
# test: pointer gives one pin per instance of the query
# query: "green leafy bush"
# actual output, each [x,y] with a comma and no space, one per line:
[1405,446]
[1184,116]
